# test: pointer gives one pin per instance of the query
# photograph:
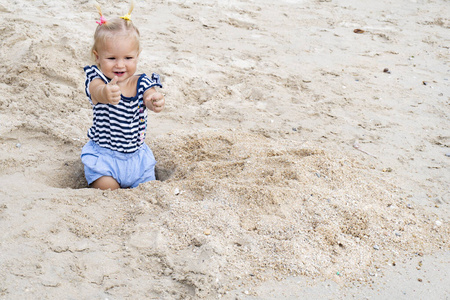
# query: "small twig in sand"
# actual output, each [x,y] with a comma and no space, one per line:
[356,146]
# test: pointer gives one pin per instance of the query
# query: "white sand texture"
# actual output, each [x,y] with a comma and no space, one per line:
[303,153]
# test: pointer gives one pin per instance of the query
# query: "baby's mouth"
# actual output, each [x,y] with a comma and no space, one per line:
[119,73]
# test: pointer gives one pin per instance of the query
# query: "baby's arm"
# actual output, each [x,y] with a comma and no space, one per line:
[154,100]
[105,93]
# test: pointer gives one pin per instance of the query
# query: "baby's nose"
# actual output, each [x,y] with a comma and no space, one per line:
[120,63]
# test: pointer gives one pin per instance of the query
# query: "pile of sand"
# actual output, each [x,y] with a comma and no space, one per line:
[230,209]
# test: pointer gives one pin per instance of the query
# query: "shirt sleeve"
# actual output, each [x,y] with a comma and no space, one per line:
[148,82]
[92,72]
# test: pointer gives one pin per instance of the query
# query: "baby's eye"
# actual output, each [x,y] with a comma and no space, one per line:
[130,57]
[111,58]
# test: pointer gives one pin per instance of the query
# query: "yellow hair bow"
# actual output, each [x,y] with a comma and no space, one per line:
[126,17]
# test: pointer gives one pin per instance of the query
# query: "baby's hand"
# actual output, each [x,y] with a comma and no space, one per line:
[155,102]
[112,91]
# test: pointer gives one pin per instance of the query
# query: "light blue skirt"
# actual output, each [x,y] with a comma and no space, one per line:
[128,169]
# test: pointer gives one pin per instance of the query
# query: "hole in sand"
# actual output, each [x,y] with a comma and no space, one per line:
[162,173]
[70,175]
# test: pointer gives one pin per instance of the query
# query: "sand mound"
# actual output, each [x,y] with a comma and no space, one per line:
[286,208]
[230,208]
[234,208]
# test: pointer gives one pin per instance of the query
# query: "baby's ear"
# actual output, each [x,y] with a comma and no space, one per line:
[96,55]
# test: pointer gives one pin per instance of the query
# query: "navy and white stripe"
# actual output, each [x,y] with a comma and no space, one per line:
[120,127]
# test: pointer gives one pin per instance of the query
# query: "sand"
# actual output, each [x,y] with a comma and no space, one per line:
[303,153]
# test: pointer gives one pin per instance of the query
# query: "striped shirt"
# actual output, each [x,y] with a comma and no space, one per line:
[120,127]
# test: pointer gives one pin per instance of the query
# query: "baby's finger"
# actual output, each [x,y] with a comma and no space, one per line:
[157,103]
[114,80]
[115,90]
[157,96]
[116,98]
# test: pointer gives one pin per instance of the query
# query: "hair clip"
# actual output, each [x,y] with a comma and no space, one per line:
[127,17]
[102,21]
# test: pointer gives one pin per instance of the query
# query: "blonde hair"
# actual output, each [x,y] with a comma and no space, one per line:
[122,26]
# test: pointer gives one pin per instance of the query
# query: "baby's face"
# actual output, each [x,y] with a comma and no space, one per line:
[118,56]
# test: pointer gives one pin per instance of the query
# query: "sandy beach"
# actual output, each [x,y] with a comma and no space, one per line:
[303,153]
